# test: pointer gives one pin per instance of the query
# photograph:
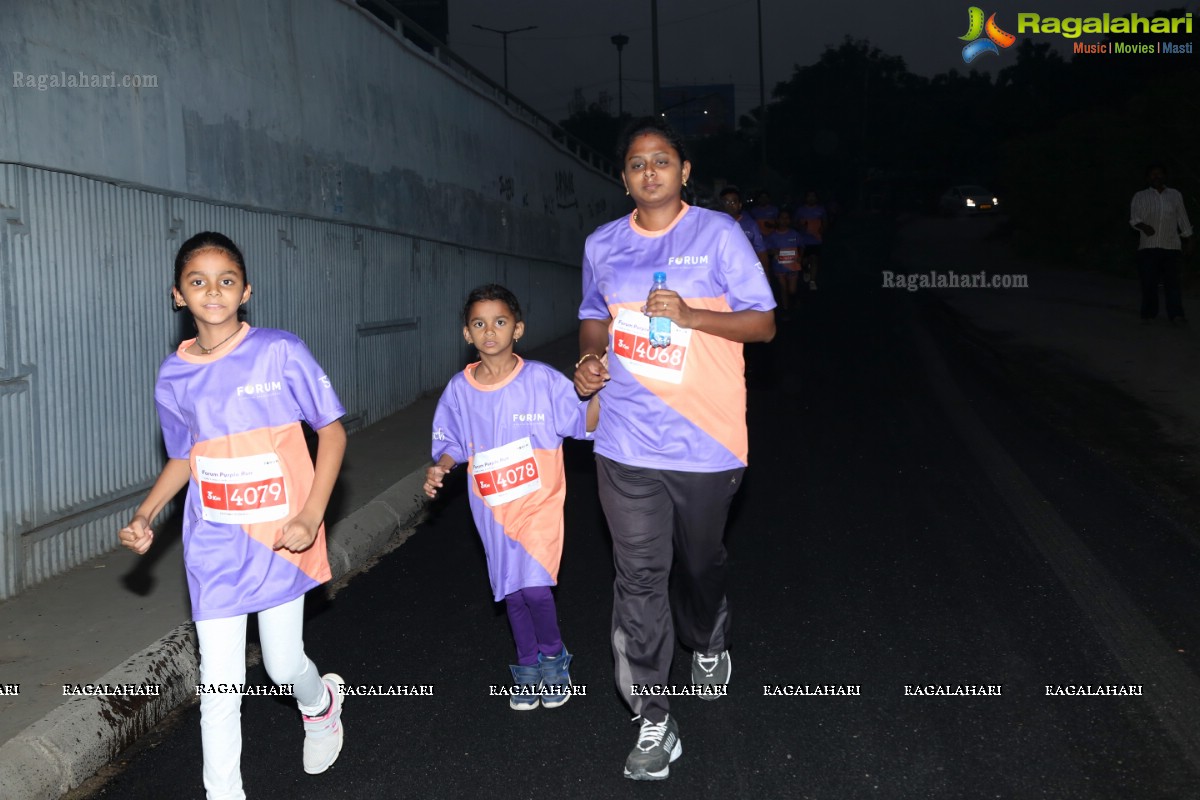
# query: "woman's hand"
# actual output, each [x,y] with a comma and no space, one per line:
[591,373]
[666,303]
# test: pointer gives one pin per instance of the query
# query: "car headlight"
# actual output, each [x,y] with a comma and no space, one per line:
[970,203]
[995,201]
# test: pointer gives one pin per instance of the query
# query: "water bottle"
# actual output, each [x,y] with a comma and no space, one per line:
[660,327]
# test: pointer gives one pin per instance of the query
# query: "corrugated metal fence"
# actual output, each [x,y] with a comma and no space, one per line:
[85,320]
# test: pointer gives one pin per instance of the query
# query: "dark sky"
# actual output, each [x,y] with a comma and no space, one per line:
[715,41]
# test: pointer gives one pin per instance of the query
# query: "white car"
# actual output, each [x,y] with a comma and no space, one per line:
[968,199]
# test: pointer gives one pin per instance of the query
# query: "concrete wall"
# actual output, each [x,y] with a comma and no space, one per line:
[306,107]
[369,186]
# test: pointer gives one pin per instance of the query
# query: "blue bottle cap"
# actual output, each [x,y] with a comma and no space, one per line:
[660,277]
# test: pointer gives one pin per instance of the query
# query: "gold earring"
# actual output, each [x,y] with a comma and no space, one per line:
[627,193]
[685,183]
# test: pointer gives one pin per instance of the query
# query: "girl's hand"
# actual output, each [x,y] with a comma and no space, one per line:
[296,535]
[137,535]
[666,303]
[433,479]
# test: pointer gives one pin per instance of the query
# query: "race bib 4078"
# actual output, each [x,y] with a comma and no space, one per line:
[505,473]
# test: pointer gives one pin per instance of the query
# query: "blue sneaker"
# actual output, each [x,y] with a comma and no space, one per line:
[529,679]
[555,675]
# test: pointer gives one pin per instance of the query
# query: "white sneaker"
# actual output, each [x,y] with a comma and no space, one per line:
[323,735]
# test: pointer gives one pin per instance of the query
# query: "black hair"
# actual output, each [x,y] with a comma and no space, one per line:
[492,291]
[208,240]
[1156,165]
[640,127]
[731,189]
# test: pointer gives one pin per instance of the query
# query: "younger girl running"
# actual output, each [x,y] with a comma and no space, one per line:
[506,418]
[230,402]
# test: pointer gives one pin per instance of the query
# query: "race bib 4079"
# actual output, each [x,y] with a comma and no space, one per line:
[243,490]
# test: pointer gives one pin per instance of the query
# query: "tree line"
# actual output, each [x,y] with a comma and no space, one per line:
[1063,141]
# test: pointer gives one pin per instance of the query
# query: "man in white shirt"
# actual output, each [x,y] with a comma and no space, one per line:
[1158,214]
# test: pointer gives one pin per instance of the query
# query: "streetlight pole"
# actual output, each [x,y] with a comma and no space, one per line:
[654,51]
[620,40]
[504,34]
[762,97]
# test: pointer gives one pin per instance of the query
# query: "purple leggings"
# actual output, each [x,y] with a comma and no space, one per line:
[534,621]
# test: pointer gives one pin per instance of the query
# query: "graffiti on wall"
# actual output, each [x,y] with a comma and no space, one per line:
[564,189]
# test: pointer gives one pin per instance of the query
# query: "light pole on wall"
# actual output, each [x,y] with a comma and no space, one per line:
[504,35]
[620,40]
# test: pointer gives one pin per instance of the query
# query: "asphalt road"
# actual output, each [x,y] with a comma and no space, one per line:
[912,517]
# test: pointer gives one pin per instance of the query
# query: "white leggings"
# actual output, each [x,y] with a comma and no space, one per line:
[223,661]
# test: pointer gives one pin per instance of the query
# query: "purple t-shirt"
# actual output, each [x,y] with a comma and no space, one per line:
[510,437]
[681,407]
[750,228]
[810,221]
[788,246]
[235,416]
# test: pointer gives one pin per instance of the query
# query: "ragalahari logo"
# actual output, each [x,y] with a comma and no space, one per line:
[996,38]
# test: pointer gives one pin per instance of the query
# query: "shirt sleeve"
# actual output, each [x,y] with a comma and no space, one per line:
[177,436]
[1185,224]
[448,429]
[745,283]
[1135,211]
[592,306]
[310,387]
[570,413]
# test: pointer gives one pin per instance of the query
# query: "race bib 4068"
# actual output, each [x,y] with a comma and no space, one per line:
[631,343]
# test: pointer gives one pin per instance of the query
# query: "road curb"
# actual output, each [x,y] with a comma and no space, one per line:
[67,746]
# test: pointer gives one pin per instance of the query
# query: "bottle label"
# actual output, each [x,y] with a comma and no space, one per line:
[631,343]
[241,491]
[505,473]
